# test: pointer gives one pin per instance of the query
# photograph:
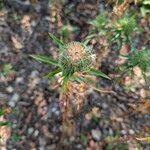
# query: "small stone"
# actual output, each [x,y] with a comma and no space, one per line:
[30,131]
[131,132]
[79,146]
[104,106]
[42,141]
[124,132]
[14,125]
[96,134]
[9,89]
[34,74]
[142,93]
[110,131]
[15,97]
[72,138]
[41,148]
[36,133]
[13,100]
[54,109]
[11,104]
[19,80]
[57,113]
[51,147]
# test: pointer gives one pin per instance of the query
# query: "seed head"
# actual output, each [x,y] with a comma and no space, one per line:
[77,56]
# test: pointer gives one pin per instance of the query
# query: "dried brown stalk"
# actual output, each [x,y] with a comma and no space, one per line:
[72,100]
[119,10]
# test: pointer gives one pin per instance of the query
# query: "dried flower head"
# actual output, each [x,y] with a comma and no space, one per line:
[75,56]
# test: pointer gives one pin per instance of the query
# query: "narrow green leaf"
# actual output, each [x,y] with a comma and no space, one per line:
[85,80]
[56,40]
[15,137]
[89,38]
[45,59]
[2,112]
[4,124]
[53,73]
[84,139]
[97,73]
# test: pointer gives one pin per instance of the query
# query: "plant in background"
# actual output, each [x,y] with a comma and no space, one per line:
[66,31]
[75,66]
[15,137]
[120,8]
[119,31]
[141,59]
[1,4]
[145,7]
[100,24]
[122,31]
[7,69]
[3,123]
[4,127]
[101,27]
[74,63]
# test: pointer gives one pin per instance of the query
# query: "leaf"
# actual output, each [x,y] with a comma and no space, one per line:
[65,84]
[7,69]
[146,2]
[66,78]
[53,73]
[56,40]
[84,79]
[97,73]
[2,112]
[15,137]
[84,139]
[4,124]
[89,38]
[45,59]
[144,139]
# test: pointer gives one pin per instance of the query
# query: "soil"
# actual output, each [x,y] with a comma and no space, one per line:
[34,105]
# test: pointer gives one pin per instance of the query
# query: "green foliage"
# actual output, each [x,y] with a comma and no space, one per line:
[119,1]
[119,32]
[84,139]
[95,119]
[1,4]
[57,41]
[3,123]
[97,73]
[66,67]
[140,59]
[100,23]
[15,138]
[16,17]
[100,27]
[126,25]
[2,112]
[45,59]
[66,31]
[145,7]
[123,29]
[117,146]
[53,73]
[7,69]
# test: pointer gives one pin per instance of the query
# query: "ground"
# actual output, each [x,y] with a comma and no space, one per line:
[107,121]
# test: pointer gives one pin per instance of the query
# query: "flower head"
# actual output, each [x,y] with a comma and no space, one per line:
[77,56]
